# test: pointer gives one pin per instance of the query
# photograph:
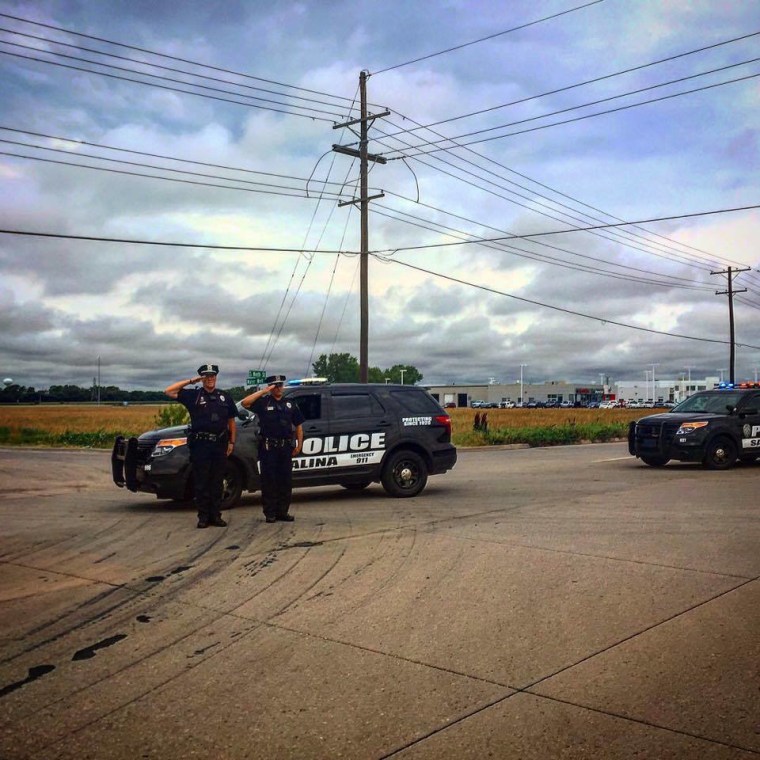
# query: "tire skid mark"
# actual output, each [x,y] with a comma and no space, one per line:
[136,595]
[33,674]
[75,536]
[253,625]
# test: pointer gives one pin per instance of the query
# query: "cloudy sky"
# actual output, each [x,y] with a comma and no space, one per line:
[211,123]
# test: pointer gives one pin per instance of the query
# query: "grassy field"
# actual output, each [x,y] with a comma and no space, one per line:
[92,425]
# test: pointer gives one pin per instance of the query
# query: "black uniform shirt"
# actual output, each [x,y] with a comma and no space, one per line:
[209,412]
[277,418]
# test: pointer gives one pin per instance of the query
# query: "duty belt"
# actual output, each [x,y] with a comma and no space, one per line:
[213,437]
[277,443]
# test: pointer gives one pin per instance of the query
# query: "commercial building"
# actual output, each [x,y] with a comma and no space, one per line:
[494,393]
[643,391]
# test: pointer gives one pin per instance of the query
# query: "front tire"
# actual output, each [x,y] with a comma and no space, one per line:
[721,453]
[404,474]
[655,461]
[232,487]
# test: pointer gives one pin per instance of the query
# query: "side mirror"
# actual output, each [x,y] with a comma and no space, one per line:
[243,415]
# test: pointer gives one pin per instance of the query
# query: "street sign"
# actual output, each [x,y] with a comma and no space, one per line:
[256,376]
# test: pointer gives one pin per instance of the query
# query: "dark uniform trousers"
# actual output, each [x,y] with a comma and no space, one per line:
[276,477]
[209,461]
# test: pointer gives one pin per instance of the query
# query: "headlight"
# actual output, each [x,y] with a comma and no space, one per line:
[165,445]
[690,427]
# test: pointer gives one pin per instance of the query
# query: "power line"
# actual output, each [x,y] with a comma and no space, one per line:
[579,118]
[576,229]
[162,156]
[166,87]
[603,320]
[169,57]
[165,243]
[673,280]
[573,86]
[334,196]
[680,254]
[155,66]
[79,154]
[483,39]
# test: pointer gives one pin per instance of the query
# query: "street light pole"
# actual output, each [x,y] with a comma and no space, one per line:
[401,372]
[521,383]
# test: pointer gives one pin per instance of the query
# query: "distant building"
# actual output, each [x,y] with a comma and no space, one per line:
[494,393]
[560,390]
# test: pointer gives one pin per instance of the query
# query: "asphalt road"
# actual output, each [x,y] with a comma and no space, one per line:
[545,603]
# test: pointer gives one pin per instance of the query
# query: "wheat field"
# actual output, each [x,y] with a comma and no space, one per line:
[79,418]
[89,418]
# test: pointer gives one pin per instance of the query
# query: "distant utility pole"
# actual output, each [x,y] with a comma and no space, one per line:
[730,293]
[364,157]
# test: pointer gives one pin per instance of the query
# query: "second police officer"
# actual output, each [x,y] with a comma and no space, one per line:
[281,424]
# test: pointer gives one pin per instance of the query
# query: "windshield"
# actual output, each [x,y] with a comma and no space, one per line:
[715,403]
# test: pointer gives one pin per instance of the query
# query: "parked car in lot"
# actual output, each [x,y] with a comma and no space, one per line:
[354,435]
[506,405]
[606,404]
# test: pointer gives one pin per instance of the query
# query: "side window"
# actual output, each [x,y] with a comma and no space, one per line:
[752,402]
[355,405]
[310,406]
[417,401]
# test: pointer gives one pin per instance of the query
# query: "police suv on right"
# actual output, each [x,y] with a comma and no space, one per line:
[717,428]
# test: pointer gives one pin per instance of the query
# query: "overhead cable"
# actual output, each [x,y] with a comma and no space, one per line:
[574,229]
[573,86]
[483,39]
[164,243]
[168,87]
[156,66]
[603,320]
[575,119]
[169,57]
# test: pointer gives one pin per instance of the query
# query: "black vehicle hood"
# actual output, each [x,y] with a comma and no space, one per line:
[178,431]
[682,417]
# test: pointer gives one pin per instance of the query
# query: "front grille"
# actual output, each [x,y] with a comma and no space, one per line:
[658,434]
[144,450]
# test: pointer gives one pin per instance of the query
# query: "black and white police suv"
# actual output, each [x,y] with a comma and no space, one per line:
[354,435]
[716,428]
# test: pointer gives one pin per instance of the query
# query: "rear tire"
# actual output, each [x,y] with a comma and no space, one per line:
[404,474]
[721,454]
[655,461]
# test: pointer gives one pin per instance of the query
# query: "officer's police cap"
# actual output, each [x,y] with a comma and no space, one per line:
[275,379]
[208,369]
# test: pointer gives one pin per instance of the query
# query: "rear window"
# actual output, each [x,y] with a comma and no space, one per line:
[353,405]
[416,401]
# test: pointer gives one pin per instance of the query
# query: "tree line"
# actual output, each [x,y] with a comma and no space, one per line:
[336,368]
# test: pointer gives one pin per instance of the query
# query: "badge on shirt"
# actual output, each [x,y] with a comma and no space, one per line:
[221,397]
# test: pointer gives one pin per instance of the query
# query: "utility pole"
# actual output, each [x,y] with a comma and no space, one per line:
[730,271]
[521,383]
[364,157]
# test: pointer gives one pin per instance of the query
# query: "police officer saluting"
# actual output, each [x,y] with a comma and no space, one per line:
[211,439]
[281,422]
